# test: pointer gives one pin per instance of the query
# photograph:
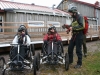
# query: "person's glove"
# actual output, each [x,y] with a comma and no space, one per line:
[65,26]
[68,30]
[54,40]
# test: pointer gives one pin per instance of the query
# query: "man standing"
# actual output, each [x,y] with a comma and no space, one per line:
[77,36]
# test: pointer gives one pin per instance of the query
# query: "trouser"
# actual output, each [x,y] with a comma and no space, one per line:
[84,44]
[48,47]
[76,40]
[51,48]
[22,52]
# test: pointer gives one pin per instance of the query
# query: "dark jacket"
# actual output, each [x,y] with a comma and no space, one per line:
[77,24]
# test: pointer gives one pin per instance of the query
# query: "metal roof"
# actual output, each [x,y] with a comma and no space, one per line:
[4,5]
[85,3]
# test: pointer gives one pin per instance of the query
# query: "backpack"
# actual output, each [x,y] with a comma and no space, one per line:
[86,24]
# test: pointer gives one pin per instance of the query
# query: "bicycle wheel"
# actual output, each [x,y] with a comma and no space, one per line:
[66,61]
[38,60]
[2,65]
[34,65]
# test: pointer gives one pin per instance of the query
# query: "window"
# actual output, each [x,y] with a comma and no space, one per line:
[56,24]
[36,23]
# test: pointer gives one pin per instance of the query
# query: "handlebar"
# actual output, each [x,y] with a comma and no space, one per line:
[18,44]
[52,42]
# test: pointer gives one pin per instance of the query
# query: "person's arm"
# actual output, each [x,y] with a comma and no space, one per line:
[68,27]
[28,41]
[45,37]
[15,40]
[58,37]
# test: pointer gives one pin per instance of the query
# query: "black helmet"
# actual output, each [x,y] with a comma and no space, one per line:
[52,27]
[21,28]
[72,10]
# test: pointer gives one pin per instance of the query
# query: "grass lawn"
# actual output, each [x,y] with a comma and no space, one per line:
[91,66]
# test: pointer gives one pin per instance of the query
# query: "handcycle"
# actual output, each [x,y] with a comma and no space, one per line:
[52,53]
[18,62]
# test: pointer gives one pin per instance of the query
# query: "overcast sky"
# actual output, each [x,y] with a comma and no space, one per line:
[48,3]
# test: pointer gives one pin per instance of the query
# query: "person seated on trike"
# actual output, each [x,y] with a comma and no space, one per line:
[52,36]
[23,40]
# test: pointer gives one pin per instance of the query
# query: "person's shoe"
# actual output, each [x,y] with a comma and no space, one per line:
[77,66]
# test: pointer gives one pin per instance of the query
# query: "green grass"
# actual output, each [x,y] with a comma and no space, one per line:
[91,66]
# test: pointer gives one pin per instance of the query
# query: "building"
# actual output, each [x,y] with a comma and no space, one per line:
[34,15]
[92,11]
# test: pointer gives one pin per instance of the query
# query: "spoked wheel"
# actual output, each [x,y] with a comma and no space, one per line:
[2,65]
[38,60]
[66,61]
[34,65]
[5,72]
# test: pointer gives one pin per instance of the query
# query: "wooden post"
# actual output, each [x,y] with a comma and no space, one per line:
[99,31]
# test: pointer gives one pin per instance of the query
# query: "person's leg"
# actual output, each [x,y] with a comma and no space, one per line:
[60,50]
[23,52]
[49,48]
[13,53]
[45,48]
[55,48]
[70,51]
[84,46]
[79,52]
[79,42]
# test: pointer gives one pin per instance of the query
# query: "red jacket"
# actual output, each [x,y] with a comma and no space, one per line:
[50,37]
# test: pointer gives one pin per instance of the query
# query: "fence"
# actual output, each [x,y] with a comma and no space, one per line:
[37,33]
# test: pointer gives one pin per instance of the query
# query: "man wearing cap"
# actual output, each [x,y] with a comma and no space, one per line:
[77,36]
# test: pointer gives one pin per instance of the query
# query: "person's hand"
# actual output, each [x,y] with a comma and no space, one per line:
[67,31]
[65,26]
[70,28]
